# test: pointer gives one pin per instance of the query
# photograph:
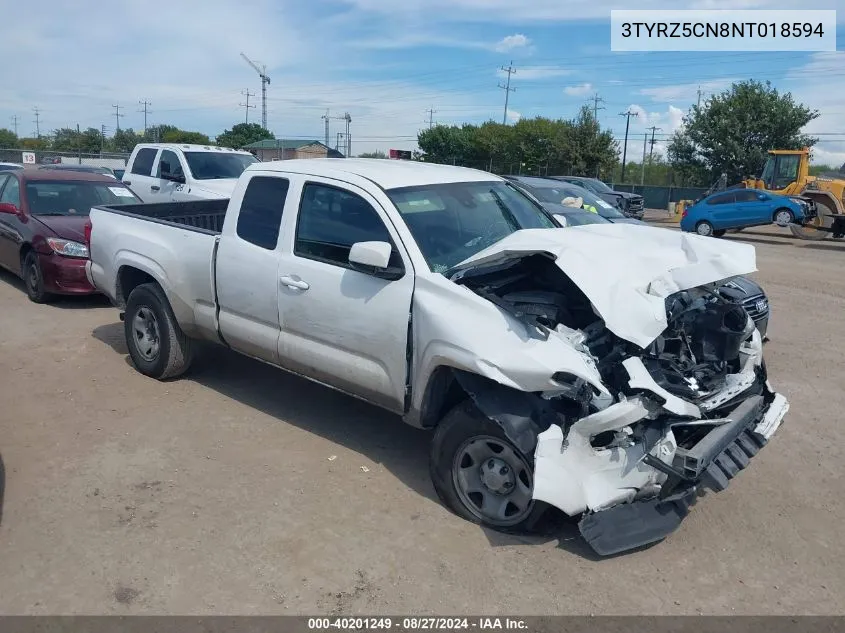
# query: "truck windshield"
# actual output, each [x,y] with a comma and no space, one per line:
[74,198]
[213,166]
[453,221]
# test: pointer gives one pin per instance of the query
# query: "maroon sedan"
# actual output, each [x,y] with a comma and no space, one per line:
[43,214]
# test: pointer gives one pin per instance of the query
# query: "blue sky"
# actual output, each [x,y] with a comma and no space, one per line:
[383,61]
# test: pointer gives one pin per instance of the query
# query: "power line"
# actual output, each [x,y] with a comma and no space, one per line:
[431,111]
[117,116]
[246,105]
[145,103]
[627,114]
[596,107]
[37,122]
[651,149]
[510,70]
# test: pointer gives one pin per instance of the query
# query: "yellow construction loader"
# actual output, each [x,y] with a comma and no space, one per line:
[787,172]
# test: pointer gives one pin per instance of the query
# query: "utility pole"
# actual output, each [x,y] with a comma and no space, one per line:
[102,139]
[431,111]
[651,147]
[78,144]
[325,118]
[37,122]
[117,116]
[348,120]
[627,114]
[246,105]
[15,123]
[642,171]
[596,99]
[510,70]
[145,103]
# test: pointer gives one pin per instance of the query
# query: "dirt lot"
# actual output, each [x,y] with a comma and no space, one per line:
[240,489]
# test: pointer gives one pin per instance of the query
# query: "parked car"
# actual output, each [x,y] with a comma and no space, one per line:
[168,172]
[741,208]
[741,290]
[10,166]
[42,218]
[89,169]
[118,173]
[548,191]
[550,366]
[630,204]
[50,160]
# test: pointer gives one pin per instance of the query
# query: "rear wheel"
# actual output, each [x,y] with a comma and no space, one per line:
[33,278]
[480,474]
[156,343]
[823,218]
[704,228]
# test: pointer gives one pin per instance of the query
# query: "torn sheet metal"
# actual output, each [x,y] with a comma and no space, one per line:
[648,265]
[572,475]
[641,379]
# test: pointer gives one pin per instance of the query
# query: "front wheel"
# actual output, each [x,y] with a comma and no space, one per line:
[156,343]
[783,217]
[480,474]
[34,279]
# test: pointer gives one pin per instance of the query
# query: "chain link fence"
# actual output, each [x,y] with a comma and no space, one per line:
[35,158]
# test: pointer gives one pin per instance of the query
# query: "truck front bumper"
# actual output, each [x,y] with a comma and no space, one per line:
[709,465]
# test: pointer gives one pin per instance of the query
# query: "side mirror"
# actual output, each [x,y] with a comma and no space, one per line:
[8,207]
[373,258]
[762,196]
[173,177]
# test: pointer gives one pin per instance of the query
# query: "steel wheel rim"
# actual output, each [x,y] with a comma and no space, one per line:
[704,229]
[493,481]
[146,334]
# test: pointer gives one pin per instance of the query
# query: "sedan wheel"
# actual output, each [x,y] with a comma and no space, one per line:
[704,228]
[783,217]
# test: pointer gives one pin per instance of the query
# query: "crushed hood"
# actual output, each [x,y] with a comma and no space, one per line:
[626,271]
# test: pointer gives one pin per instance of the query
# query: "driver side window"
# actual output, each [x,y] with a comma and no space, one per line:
[169,164]
[12,192]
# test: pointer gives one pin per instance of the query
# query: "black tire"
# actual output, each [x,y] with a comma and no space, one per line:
[786,217]
[808,231]
[33,279]
[706,227]
[172,352]
[466,424]
[718,232]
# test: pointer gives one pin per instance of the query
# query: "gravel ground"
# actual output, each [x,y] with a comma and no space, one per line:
[242,490]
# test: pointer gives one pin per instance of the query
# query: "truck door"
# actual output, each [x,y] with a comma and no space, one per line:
[139,175]
[341,326]
[247,268]
[168,172]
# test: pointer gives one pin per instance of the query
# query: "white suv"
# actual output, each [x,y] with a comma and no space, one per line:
[169,172]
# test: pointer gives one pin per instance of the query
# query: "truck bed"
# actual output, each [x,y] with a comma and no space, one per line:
[203,215]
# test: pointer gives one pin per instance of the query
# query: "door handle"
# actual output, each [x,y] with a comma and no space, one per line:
[155,188]
[127,182]
[297,284]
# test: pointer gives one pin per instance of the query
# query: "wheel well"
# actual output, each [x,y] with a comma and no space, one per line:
[129,278]
[442,393]
[25,250]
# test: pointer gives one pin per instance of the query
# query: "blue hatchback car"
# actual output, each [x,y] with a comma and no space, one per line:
[739,208]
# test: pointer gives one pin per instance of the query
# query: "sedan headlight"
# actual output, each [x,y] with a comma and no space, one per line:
[67,248]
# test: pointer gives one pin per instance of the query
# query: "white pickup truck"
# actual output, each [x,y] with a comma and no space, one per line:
[173,172]
[591,368]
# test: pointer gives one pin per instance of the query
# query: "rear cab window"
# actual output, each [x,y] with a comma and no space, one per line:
[260,217]
[143,163]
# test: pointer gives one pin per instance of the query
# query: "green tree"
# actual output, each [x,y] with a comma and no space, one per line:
[376,154]
[731,132]
[171,134]
[243,134]
[124,141]
[8,139]
[34,144]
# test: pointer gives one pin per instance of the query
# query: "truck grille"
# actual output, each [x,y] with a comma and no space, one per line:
[635,205]
[756,306]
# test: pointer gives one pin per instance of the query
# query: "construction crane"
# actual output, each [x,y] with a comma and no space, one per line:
[265,81]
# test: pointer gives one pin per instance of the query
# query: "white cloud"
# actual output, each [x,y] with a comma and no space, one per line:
[510,42]
[688,93]
[579,91]
[513,116]
[534,73]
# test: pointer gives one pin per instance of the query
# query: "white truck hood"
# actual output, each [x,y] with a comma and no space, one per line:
[627,271]
[219,188]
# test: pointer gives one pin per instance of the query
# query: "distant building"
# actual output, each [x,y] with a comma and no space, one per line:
[286,149]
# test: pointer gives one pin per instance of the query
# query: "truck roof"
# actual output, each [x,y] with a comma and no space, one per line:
[386,173]
[190,147]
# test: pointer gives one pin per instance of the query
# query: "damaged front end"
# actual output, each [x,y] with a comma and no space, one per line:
[678,416]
